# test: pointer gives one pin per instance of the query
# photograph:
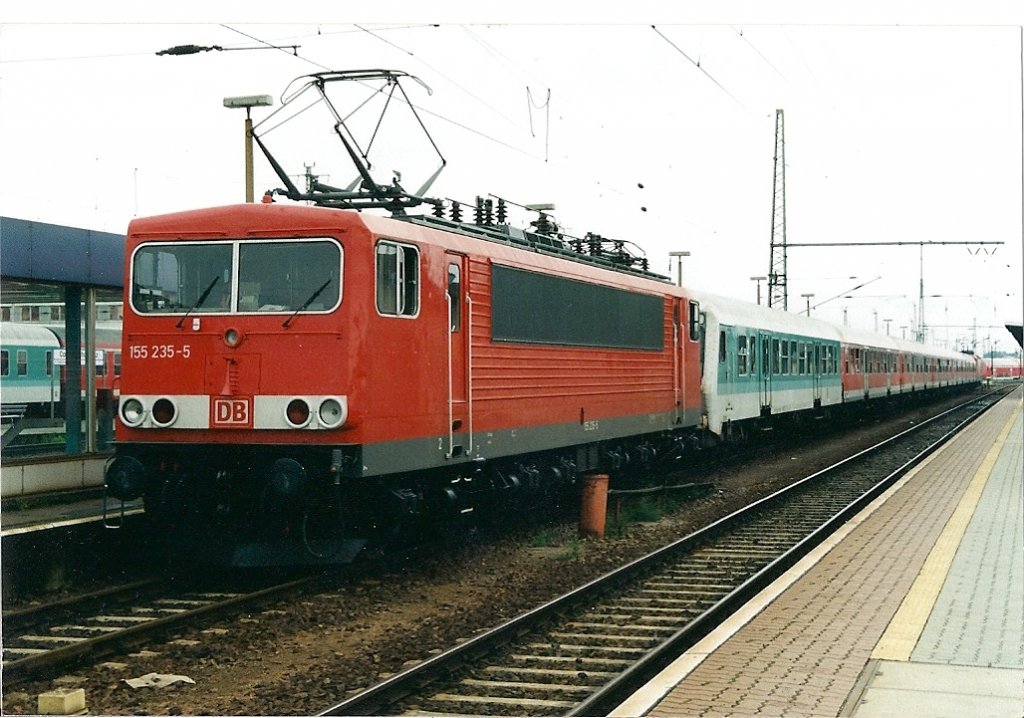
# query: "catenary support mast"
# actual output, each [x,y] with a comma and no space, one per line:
[778,294]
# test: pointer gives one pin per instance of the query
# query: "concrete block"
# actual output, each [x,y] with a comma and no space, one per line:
[144,654]
[62,701]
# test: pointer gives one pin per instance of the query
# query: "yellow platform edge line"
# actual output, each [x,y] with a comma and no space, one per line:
[905,628]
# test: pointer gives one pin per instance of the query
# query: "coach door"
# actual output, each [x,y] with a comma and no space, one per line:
[815,368]
[764,368]
[460,412]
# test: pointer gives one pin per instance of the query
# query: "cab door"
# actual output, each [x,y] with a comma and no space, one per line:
[460,432]
[678,360]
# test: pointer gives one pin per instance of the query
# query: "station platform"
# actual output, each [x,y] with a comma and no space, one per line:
[914,608]
[51,512]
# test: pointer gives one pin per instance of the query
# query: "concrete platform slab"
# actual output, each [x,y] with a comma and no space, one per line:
[913,690]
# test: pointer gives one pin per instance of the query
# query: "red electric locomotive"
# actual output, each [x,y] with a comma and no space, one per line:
[296,378]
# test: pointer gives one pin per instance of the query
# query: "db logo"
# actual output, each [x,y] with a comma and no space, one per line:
[231,412]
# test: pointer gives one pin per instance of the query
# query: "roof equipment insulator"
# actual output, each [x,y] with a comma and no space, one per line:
[502,213]
[488,211]
[478,211]
[544,226]
[456,211]
[437,209]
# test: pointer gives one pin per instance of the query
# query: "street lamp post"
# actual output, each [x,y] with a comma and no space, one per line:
[807,297]
[758,280]
[679,271]
[248,102]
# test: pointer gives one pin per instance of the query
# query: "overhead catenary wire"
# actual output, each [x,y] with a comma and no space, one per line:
[531,106]
[696,64]
[467,91]
[425,111]
[762,55]
[268,44]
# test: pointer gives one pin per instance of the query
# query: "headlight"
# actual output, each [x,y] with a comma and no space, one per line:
[332,413]
[297,413]
[164,412]
[132,412]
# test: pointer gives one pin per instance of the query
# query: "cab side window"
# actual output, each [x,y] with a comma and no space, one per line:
[694,319]
[398,279]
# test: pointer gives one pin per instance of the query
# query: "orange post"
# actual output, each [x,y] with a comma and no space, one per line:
[594,505]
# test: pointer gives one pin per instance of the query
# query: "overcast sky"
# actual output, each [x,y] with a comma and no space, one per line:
[901,124]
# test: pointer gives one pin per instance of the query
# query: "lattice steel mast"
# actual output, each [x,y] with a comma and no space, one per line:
[778,294]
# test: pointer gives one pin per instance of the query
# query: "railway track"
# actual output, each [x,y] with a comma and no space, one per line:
[584,652]
[39,640]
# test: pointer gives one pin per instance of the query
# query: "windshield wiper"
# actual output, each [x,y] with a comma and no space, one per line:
[198,303]
[312,298]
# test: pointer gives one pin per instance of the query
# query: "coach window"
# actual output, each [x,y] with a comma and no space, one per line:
[752,354]
[49,363]
[397,279]
[741,354]
[5,363]
[721,346]
[785,357]
[776,355]
[454,293]
[22,360]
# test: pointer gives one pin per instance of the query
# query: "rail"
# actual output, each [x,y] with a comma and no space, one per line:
[581,653]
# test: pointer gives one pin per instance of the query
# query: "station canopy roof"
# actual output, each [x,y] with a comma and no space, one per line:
[37,260]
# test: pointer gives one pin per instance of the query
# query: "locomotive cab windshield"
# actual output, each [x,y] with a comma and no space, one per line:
[237,277]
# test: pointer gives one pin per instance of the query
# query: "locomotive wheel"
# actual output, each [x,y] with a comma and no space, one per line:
[322,526]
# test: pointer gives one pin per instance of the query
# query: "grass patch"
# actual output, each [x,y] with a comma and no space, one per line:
[643,509]
[543,538]
[573,551]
